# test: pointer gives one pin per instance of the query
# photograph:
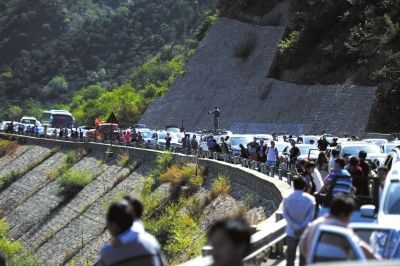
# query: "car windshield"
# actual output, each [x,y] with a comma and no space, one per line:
[389,147]
[354,150]
[235,141]
[147,135]
[392,200]
[305,150]
[28,121]
[281,146]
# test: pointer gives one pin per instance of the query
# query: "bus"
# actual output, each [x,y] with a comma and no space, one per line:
[58,119]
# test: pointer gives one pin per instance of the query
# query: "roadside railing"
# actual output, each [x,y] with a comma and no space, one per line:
[275,172]
[264,243]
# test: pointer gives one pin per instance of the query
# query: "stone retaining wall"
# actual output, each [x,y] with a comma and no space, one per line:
[59,231]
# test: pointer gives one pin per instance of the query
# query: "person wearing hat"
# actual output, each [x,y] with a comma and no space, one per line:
[334,142]
[217,114]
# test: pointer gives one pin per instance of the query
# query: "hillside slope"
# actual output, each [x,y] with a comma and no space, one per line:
[230,69]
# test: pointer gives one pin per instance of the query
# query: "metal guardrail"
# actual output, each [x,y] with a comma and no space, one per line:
[274,172]
[263,243]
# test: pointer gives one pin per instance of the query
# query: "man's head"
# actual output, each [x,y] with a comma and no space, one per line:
[222,139]
[346,158]
[255,139]
[362,155]
[119,218]
[342,207]
[167,134]
[339,163]
[136,207]
[335,153]
[293,143]
[272,144]
[230,239]
[299,183]
[214,141]
[194,136]
[215,107]
[382,172]
[310,167]
[334,140]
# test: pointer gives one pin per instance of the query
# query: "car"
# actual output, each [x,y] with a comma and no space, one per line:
[376,141]
[333,243]
[354,147]
[388,147]
[309,139]
[30,120]
[307,151]
[4,125]
[384,239]
[160,136]
[137,126]
[216,135]
[85,129]
[235,140]
[392,158]
[389,210]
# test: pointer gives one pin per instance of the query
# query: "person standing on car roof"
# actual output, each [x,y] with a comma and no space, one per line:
[323,143]
[334,142]
[217,114]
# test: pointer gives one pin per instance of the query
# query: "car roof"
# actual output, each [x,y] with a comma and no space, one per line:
[357,143]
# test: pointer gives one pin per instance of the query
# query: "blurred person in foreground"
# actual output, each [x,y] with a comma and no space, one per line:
[339,215]
[230,240]
[128,247]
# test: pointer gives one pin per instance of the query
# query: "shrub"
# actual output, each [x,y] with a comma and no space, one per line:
[72,181]
[173,175]
[68,162]
[221,185]
[245,47]
[12,250]
[8,147]
[123,159]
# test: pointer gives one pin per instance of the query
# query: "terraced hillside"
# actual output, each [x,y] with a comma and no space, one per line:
[61,219]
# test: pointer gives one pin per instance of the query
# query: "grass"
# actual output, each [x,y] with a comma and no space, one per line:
[73,181]
[7,179]
[245,47]
[221,185]
[12,250]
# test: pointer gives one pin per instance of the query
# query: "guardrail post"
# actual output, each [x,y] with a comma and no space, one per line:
[206,251]
[253,165]
[280,174]
[262,168]
[272,171]
[215,156]
[225,157]
[289,178]
[244,162]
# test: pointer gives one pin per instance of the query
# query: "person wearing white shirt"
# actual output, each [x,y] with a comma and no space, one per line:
[298,210]
[331,163]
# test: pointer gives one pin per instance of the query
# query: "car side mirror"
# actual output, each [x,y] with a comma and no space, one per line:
[368,211]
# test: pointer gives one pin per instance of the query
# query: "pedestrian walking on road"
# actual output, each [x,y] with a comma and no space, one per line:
[272,155]
[298,210]
[168,142]
[294,153]
[261,152]
[252,148]
[244,153]
[216,114]
[194,143]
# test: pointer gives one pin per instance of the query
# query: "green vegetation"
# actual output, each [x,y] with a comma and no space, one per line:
[349,42]
[12,250]
[7,147]
[175,220]
[8,178]
[73,181]
[70,159]
[221,185]
[123,159]
[52,49]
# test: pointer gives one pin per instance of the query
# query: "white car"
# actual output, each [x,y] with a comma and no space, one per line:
[235,140]
[392,158]
[376,141]
[333,243]
[389,211]
[388,147]
[4,125]
[30,120]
